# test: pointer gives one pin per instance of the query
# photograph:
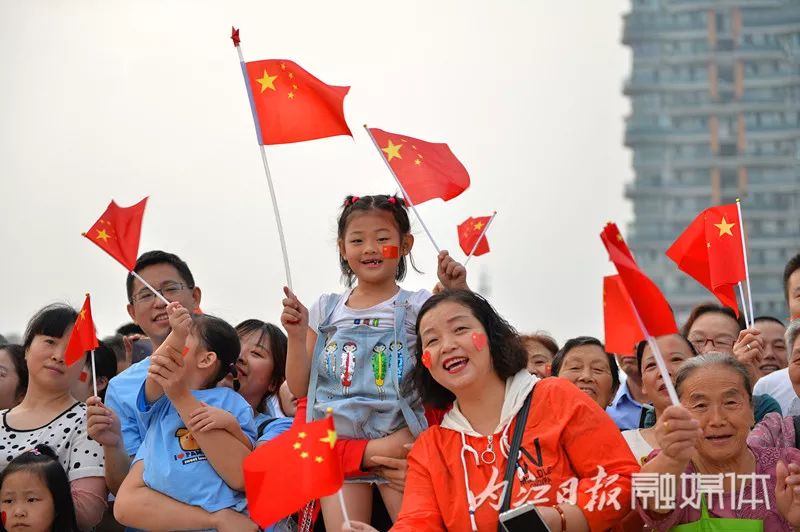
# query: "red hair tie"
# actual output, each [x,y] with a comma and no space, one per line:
[354,199]
[393,200]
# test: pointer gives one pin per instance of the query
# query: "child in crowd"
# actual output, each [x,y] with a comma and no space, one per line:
[35,494]
[200,468]
[351,350]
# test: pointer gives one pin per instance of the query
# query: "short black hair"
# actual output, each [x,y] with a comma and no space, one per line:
[708,308]
[127,329]
[578,341]
[17,355]
[53,320]
[641,345]
[105,364]
[42,461]
[151,258]
[508,353]
[277,346]
[770,318]
[218,336]
[792,266]
[394,205]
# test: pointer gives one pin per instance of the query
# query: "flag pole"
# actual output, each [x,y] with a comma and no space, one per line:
[747,322]
[94,375]
[158,294]
[339,494]
[744,255]
[399,184]
[483,233]
[235,37]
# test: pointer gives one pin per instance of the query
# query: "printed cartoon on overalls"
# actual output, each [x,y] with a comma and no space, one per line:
[357,371]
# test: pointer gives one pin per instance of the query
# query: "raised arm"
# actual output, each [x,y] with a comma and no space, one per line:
[180,321]
[452,274]
[300,344]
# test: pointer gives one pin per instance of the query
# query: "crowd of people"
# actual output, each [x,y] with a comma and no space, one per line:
[446,416]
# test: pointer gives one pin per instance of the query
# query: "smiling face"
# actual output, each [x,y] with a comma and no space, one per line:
[714,331]
[674,350]
[255,367]
[27,503]
[793,293]
[587,367]
[774,347]
[539,358]
[716,397]
[362,245]
[45,360]
[446,332]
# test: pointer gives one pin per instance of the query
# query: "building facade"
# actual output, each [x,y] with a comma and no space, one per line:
[715,98]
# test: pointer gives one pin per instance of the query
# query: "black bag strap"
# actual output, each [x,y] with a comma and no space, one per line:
[796,420]
[263,425]
[513,451]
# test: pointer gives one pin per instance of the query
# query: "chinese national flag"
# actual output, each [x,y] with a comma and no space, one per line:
[646,298]
[83,337]
[622,331]
[117,232]
[469,231]
[304,460]
[426,170]
[710,251]
[291,105]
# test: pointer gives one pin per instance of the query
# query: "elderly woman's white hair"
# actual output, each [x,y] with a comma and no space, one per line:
[792,332]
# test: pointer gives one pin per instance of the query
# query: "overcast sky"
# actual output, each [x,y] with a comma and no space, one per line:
[123,99]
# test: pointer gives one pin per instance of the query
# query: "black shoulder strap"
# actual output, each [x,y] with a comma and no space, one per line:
[264,425]
[796,420]
[513,451]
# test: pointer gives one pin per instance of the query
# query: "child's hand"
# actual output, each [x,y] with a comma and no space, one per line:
[167,369]
[295,316]
[452,274]
[102,423]
[208,418]
[180,320]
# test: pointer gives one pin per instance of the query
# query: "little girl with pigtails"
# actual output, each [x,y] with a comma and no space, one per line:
[350,351]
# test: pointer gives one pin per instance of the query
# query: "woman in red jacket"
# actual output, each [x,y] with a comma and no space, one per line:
[573,463]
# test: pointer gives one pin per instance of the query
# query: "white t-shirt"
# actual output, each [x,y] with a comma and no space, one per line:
[80,455]
[381,316]
[639,446]
[778,385]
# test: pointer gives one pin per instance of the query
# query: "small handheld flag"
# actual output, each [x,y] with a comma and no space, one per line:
[82,339]
[117,232]
[472,235]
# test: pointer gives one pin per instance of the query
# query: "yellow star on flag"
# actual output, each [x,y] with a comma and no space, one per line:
[330,439]
[291,95]
[619,237]
[83,313]
[301,435]
[304,455]
[418,161]
[392,150]
[296,445]
[102,235]
[724,227]
[266,81]
[318,459]
[479,226]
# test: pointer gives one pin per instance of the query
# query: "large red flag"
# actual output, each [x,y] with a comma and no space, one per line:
[647,299]
[469,231]
[622,331]
[83,337]
[303,459]
[291,105]
[426,170]
[117,232]
[710,251]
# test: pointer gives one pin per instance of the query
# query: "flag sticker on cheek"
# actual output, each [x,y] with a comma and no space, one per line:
[479,340]
[391,252]
[3,517]
[83,376]
[185,351]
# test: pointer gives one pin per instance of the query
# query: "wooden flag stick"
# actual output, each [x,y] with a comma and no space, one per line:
[235,37]
[744,255]
[483,233]
[399,184]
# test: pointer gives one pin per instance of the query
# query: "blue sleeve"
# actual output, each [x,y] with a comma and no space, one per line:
[276,428]
[149,412]
[244,414]
[128,419]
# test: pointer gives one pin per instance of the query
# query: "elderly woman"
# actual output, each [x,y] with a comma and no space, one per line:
[569,447]
[776,430]
[541,348]
[707,435]
[584,362]
[714,328]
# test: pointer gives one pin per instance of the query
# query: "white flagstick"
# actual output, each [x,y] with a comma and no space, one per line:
[485,228]
[408,199]
[344,508]
[266,169]
[744,255]
[747,322]
[94,375]
[158,294]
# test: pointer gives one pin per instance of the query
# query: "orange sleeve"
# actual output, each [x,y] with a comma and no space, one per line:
[592,440]
[350,452]
[420,510]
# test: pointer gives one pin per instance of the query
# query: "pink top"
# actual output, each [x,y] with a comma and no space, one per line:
[774,430]
[766,459]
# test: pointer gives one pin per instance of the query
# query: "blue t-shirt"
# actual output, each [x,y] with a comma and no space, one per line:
[174,464]
[121,398]
[273,429]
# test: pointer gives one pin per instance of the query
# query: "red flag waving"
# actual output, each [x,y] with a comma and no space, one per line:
[305,461]
[622,331]
[426,170]
[117,232]
[710,251]
[469,231]
[291,105]
[647,299]
[83,337]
